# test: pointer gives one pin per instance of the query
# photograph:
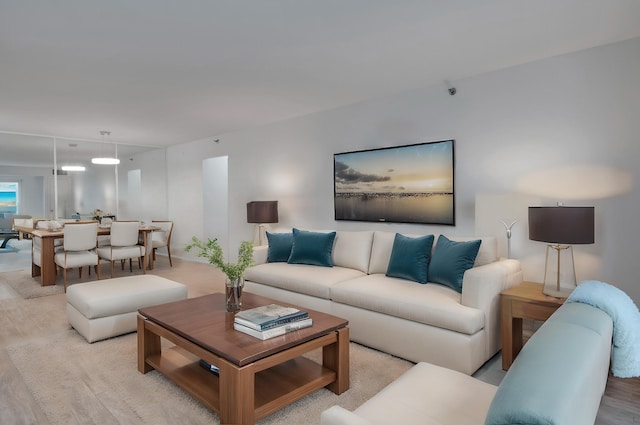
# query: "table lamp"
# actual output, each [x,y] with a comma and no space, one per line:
[561,227]
[262,213]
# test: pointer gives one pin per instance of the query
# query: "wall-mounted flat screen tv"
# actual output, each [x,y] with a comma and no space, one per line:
[402,184]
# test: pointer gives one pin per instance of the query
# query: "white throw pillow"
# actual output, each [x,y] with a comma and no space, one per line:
[352,250]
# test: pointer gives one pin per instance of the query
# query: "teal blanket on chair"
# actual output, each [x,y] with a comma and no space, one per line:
[625,362]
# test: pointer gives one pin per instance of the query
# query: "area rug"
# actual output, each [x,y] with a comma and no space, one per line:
[27,286]
[79,383]
[30,287]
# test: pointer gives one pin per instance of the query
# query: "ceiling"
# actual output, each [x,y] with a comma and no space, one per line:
[162,72]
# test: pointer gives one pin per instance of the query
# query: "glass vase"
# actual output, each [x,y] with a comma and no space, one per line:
[233,291]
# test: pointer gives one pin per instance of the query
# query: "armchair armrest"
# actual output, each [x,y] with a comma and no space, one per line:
[481,287]
[337,415]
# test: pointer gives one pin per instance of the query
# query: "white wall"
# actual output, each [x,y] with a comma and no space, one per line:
[215,198]
[513,128]
[92,189]
[150,201]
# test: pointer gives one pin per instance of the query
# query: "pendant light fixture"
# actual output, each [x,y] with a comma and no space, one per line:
[73,168]
[105,160]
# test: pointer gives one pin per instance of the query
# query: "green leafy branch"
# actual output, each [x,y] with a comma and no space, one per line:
[212,251]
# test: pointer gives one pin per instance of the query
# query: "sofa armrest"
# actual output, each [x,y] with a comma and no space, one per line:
[260,254]
[482,284]
[560,374]
[337,415]
[481,287]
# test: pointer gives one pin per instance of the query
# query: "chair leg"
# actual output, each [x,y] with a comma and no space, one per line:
[154,254]
[112,268]
[64,277]
[98,269]
[169,252]
[131,265]
[79,272]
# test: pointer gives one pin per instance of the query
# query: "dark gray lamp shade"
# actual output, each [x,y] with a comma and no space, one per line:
[562,225]
[262,212]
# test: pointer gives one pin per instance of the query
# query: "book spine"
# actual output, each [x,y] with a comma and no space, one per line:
[272,324]
[274,332]
[293,326]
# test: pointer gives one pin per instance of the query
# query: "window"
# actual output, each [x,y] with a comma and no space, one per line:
[8,198]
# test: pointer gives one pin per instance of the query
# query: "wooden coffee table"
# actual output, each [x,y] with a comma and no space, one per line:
[256,377]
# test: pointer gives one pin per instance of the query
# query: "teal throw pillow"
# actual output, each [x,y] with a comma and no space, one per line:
[410,258]
[450,260]
[279,247]
[312,248]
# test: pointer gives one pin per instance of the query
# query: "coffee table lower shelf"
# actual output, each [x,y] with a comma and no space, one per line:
[183,369]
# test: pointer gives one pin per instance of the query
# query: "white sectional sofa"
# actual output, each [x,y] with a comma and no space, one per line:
[419,322]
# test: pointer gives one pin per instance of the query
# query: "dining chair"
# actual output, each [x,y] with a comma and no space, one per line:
[123,244]
[162,238]
[36,249]
[79,243]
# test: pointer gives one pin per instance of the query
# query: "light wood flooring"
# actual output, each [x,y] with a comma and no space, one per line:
[620,404]
[17,405]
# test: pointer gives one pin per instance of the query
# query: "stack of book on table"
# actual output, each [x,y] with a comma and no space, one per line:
[271,320]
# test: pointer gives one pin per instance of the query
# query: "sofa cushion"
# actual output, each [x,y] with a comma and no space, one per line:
[429,304]
[383,244]
[312,248]
[410,258]
[280,245]
[450,260]
[352,250]
[381,251]
[430,394]
[302,278]
[488,252]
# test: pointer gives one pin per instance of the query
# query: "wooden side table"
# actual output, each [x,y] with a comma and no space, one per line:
[524,301]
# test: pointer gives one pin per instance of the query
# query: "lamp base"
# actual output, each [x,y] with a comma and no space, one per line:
[260,234]
[559,285]
[562,293]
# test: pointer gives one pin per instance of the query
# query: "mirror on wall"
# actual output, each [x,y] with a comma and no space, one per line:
[30,160]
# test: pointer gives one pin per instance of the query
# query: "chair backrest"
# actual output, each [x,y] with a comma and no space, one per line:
[80,236]
[163,235]
[124,233]
[22,221]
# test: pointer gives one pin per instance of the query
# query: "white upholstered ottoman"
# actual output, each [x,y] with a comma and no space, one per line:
[109,307]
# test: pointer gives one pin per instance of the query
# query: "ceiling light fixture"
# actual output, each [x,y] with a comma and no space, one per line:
[73,168]
[105,160]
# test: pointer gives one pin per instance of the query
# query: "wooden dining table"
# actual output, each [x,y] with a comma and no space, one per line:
[47,269]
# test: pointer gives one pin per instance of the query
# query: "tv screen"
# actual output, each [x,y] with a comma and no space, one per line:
[402,184]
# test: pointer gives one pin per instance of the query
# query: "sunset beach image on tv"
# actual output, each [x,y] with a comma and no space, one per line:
[403,184]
